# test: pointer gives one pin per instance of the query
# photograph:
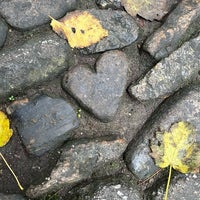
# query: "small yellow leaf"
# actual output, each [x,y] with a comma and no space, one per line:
[5,131]
[80,28]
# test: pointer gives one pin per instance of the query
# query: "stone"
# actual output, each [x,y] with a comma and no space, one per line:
[78,161]
[105,4]
[122,30]
[26,15]
[11,197]
[183,106]
[116,192]
[181,68]
[181,24]
[38,59]
[3,32]
[45,123]
[181,188]
[99,91]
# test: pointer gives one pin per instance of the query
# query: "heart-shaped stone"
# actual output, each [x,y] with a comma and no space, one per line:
[99,91]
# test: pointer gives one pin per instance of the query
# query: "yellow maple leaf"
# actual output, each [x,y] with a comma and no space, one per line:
[80,28]
[177,149]
[5,131]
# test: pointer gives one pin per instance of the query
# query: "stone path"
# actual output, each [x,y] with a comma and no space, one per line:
[82,118]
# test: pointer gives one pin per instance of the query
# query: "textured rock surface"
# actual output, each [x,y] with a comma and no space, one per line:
[11,197]
[3,32]
[182,188]
[29,14]
[122,30]
[115,4]
[38,59]
[116,192]
[99,91]
[170,74]
[183,106]
[77,163]
[45,123]
[181,24]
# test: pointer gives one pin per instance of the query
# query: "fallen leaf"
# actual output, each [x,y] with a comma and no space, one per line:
[148,9]
[80,28]
[177,149]
[5,131]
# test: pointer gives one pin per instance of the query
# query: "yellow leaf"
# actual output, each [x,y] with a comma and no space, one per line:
[5,131]
[80,28]
[177,149]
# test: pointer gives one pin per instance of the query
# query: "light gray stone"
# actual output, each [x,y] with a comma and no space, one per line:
[11,197]
[181,24]
[181,68]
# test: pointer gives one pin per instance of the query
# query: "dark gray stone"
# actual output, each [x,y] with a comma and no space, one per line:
[183,106]
[182,23]
[99,91]
[105,4]
[122,30]
[181,188]
[45,123]
[11,197]
[29,14]
[3,32]
[181,68]
[39,59]
[77,162]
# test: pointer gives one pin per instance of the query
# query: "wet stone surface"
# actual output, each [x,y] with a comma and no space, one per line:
[37,60]
[26,15]
[45,123]
[181,24]
[3,32]
[170,74]
[105,84]
[183,106]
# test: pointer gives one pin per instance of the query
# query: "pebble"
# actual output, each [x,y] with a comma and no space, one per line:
[99,91]
[3,32]
[181,24]
[122,30]
[44,124]
[181,68]
[38,59]
[183,106]
[26,15]
[78,163]
[105,4]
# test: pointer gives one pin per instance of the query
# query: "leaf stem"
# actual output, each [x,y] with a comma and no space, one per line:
[18,183]
[168,182]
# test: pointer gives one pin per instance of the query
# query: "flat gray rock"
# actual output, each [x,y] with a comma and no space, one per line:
[180,25]
[122,30]
[77,163]
[99,91]
[38,59]
[25,15]
[183,106]
[182,188]
[44,124]
[117,192]
[3,32]
[170,74]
